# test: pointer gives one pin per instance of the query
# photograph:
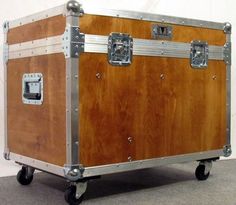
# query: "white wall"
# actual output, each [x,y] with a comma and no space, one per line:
[214,10]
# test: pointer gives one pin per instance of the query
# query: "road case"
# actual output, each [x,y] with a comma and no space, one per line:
[92,91]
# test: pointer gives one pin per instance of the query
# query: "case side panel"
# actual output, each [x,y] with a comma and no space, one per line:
[156,107]
[38,131]
[45,28]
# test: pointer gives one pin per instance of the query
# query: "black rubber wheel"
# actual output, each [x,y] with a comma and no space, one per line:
[23,178]
[200,173]
[70,196]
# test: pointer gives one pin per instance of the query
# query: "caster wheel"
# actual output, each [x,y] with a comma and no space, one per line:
[200,173]
[70,196]
[23,178]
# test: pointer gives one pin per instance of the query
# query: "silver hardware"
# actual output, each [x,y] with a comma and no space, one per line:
[72,92]
[227,53]
[214,77]
[161,32]
[5,45]
[74,8]
[98,75]
[6,154]
[228,28]
[73,172]
[199,54]
[130,159]
[72,42]
[130,140]
[116,168]
[227,151]
[208,166]
[162,76]
[98,44]
[152,17]
[81,188]
[120,49]
[32,88]
[56,11]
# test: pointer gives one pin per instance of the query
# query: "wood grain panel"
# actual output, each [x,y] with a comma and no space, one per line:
[102,25]
[38,131]
[182,112]
[37,30]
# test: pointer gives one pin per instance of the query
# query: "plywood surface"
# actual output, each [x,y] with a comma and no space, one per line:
[37,30]
[164,105]
[38,131]
[102,25]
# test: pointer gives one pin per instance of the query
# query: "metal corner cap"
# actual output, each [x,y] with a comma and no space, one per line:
[227,28]
[5,26]
[73,5]
[227,150]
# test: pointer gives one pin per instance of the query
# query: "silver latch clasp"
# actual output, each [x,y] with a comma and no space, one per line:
[120,49]
[199,54]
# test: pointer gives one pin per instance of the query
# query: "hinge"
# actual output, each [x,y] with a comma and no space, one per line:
[227,53]
[227,28]
[72,42]
[227,150]
[73,172]
[74,8]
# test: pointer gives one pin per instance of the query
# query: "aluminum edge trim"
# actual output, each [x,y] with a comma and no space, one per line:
[228,101]
[40,165]
[98,44]
[152,17]
[59,10]
[142,164]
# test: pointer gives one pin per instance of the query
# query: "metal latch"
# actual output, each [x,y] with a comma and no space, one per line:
[120,49]
[199,54]
[161,32]
[73,42]
[32,89]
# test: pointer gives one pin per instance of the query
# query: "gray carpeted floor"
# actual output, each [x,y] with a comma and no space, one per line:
[171,185]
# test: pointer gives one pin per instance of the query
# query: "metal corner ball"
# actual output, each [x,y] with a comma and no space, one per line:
[5,26]
[73,6]
[6,155]
[227,28]
[227,151]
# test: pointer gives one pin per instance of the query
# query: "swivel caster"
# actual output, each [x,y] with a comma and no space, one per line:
[74,194]
[25,175]
[203,170]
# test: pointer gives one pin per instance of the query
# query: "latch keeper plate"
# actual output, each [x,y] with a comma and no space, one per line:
[199,54]
[120,49]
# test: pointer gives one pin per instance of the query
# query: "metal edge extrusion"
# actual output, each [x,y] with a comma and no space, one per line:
[119,167]
[5,61]
[72,47]
[118,13]
[99,44]
[227,30]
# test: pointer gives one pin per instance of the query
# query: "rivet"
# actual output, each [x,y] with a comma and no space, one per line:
[130,139]
[76,109]
[214,77]
[98,76]
[162,76]
[76,76]
[130,159]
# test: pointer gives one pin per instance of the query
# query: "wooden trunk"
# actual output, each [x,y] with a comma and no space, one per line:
[156,107]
